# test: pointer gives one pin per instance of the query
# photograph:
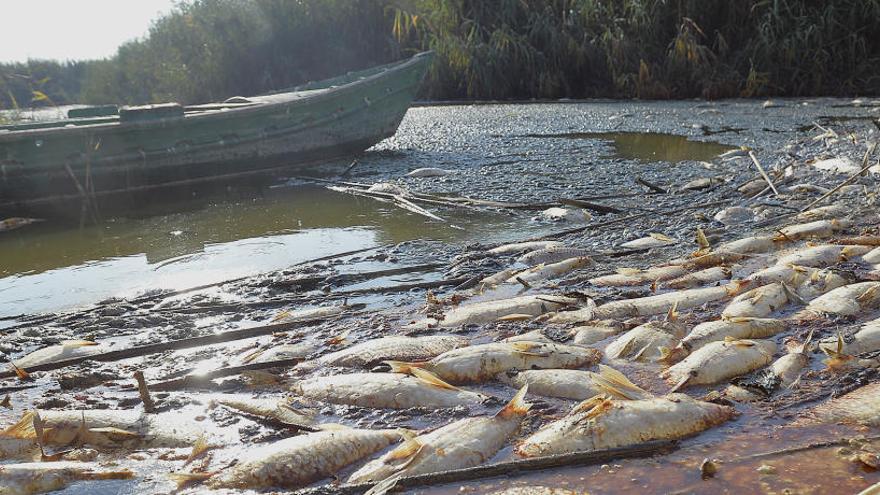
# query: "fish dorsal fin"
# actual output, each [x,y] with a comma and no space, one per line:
[199,447]
[114,433]
[738,342]
[19,372]
[672,314]
[617,385]
[23,429]
[702,241]
[740,319]
[527,348]
[432,379]
[332,427]
[806,345]
[340,339]
[280,316]
[515,317]
[588,404]
[74,344]
[403,366]
[409,448]
[869,294]
[517,405]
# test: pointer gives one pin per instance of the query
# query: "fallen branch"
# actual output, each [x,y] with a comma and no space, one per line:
[763,172]
[651,186]
[174,345]
[354,277]
[603,209]
[144,392]
[647,449]
[802,448]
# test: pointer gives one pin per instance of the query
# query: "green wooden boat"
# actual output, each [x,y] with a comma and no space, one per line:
[104,151]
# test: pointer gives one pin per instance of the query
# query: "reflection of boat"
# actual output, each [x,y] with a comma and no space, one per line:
[104,151]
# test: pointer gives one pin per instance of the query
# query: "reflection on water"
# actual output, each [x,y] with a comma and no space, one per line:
[49,266]
[650,146]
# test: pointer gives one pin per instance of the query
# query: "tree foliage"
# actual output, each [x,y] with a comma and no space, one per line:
[212,49]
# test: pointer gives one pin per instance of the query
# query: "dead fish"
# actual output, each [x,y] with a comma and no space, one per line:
[823,213]
[99,428]
[567,384]
[489,311]
[465,443]
[645,342]
[558,214]
[519,247]
[419,388]
[479,363]
[861,406]
[821,282]
[597,332]
[791,275]
[280,352]
[635,276]
[68,349]
[872,257]
[373,352]
[702,183]
[822,256]
[575,316]
[719,330]
[719,361]
[756,244]
[41,477]
[546,271]
[648,242]
[388,188]
[871,490]
[297,461]
[533,336]
[862,240]
[552,255]
[867,339]
[536,490]
[788,368]
[429,172]
[17,223]
[809,188]
[499,277]
[272,409]
[603,423]
[708,260]
[758,302]
[734,215]
[662,303]
[309,314]
[702,277]
[847,300]
[812,230]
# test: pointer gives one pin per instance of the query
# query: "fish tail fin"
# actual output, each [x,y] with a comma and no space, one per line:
[736,287]
[517,405]
[674,354]
[19,372]
[199,447]
[403,366]
[280,316]
[805,347]
[431,379]
[617,385]
[184,479]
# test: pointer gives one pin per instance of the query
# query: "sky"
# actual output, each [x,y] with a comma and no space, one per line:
[73,29]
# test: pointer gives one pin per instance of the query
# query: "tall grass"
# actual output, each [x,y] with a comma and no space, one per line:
[499,49]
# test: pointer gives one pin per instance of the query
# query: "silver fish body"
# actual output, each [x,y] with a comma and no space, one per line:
[719,361]
[373,352]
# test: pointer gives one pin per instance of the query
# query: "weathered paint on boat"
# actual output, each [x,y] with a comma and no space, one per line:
[161,146]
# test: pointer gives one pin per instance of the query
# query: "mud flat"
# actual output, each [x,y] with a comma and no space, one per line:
[715,314]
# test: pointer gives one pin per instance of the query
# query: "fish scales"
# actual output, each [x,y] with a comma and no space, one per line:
[607,423]
[297,461]
[372,352]
[384,390]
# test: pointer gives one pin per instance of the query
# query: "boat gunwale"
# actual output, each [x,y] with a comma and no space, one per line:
[269,107]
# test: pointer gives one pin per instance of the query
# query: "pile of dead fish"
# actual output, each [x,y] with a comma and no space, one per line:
[716,317]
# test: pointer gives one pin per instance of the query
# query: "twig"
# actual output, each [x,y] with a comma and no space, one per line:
[205,378]
[16,388]
[145,350]
[651,186]
[403,287]
[763,172]
[590,206]
[647,449]
[347,170]
[354,277]
[802,448]
[865,167]
[144,392]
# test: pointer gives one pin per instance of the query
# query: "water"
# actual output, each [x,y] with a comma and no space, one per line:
[649,146]
[50,267]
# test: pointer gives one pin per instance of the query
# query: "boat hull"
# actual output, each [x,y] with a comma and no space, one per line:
[48,168]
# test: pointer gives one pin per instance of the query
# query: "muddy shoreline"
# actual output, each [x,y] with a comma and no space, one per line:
[539,161]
